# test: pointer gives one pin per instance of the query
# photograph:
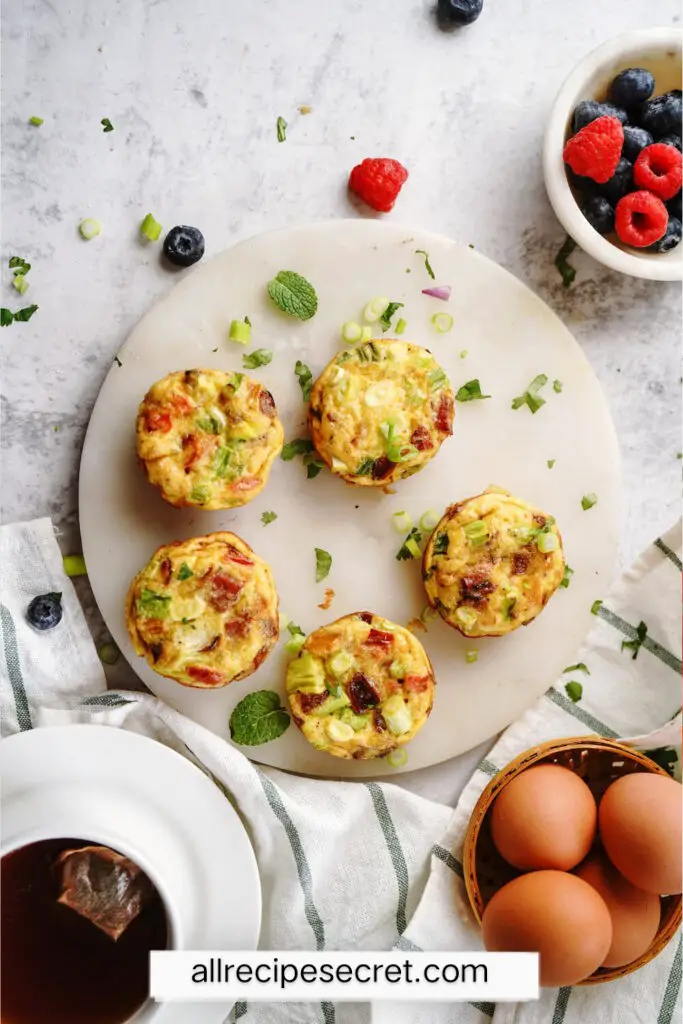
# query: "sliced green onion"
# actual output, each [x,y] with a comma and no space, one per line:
[240,331]
[374,309]
[150,228]
[401,452]
[366,334]
[588,501]
[351,331]
[463,354]
[89,228]
[471,657]
[413,547]
[550,463]
[596,606]
[109,653]
[557,387]
[467,617]
[566,579]
[428,520]
[547,542]
[400,326]
[437,379]
[20,283]
[37,121]
[397,758]
[294,645]
[477,533]
[402,522]
[429,614]
[443,322]
[74,565]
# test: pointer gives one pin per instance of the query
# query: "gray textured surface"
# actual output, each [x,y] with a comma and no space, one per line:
[194,94]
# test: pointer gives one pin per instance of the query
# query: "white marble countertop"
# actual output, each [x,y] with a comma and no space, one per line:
[194,94]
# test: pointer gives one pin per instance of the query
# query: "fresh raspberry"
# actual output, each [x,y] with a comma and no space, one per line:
[378,182]
[594,151]
[641,219]
[659,169]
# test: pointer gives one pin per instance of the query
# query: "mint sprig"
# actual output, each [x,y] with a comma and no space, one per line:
[293,294]
[258,718]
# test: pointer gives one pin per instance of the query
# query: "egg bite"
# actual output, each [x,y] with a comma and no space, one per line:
[360,687]
[380,412]
[207,438]
[492,564]
[204,611]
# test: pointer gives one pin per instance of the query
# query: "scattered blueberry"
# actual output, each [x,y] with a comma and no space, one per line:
[620,184]
[635,139]
[634,85]
[45,612]
[459,12]
[674,207]
[184,245]
[672,238]
[671,140]
[662,115]
[588,110]
[599,214]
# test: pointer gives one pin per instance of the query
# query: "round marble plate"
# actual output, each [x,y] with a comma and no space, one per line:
[509,336]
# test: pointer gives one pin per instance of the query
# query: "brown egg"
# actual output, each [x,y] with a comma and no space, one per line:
[544,818]
[556,915]
[635,914]
[641,825]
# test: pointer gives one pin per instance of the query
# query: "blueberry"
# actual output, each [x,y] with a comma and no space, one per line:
[585,186]
[662,115]
[45,612]
[620,183]
[671,140]
[458,12]
[631,86]
[635,139]
[589,110]
[599,214]
[674,207]
[184,245]
[671,239]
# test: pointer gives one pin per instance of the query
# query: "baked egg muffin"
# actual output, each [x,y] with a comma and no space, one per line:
[360,687]
[208,438]
[492,564]
[380,412]
[204,611]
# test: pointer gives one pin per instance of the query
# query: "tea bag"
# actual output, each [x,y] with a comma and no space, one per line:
[103,886]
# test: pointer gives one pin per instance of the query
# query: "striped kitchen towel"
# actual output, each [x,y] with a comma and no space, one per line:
[368,865]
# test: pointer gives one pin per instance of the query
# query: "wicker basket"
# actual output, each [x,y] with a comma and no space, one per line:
[598,762]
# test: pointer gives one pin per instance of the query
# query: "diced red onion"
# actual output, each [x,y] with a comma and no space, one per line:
[442,292]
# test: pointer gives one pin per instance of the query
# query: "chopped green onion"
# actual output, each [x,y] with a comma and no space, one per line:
[428,520]
[477,533]
[564,268]
[374,309]
[281,128]
[402,522]
[637,642]
[470,392]
[400,326]
[298,446]
[109,653]
[385,319]
[467,617]
[323,564]
[531,396]
[410,548]
[240,331]
[366,334]
[107,126]
[580,666]
[588,501]
[557,386]
[268,517]
[397,758]
[547,542]
[89,228]
[36,121]
[574,691]
[428,266]
[566,579]
[150,228]
[74,565]
[595,607]
[428,614]
[471,657]
[20,283]
[441,544]
[437,379]
[351,331]
[463,354]
[259,357]
[550,463]
[443,322]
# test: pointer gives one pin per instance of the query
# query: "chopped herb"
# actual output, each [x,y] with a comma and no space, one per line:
[437,379]
[240,331]
[531,396]
[441,544]
[222,462]
[679,455]
[305,376]
[409,548]
[365,468]
[637,642]
[588,501]
[150,228]
[258,718]
[565,269]
[557,386]
[268,517]
[470,392]
[400,326]
[152,605]
[550,463]
[236,381]
[385,319]
[477,533]
[443,322]
[210,425]
[199,495]
[19,266]
[259,357]
[184,572]
[313,467]
[298,446]
[21,315]
[293,294]
[579,667]
[463,354]
[566,579]
[323,564]
[471,657]
[118,361]
[281,128]
[107,126]
[595,607]
[428,266]
[297,638]
[574,691]
[247,321]
[36,121]
[508,608]
[369,353]
[20,283]
[74,565]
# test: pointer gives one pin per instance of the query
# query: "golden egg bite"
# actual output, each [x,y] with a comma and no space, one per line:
[207,438]
[492,564]
[360,687]
[380,412]
[204,611]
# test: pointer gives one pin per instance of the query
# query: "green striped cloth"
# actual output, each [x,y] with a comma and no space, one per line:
[367,865]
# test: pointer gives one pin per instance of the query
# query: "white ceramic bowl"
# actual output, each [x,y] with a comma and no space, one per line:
[658,50]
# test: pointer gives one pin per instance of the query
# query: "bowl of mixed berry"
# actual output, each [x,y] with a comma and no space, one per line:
[612,154]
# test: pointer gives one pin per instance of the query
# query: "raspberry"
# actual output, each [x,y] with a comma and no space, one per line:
[378,182]
[641,219]
[594,151]
[659,169]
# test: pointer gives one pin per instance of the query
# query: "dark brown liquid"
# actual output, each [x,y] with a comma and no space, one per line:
[58,967]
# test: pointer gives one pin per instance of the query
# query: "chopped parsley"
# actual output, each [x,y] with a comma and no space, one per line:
[441,544]
[566,579]
[323,564]
[21,316]
[428,266]
[410,547]
[298,446]
[588,501]
[385,319]
[19,266]
[574,691]
[313,466]
[637,642]
[305,376]
[566,271]
[293,294]
[36,121]
[595,607]
[152,605]
[531,396]
[557,387]
[184,572]
[281,128]
[470,392]
[579,667]
[107,126]
[259,357]
[258,718]
[268,517]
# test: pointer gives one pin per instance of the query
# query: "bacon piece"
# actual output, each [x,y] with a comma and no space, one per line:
[308,701]
[540,520]
[156,419]
[181,404]
[379,638]
[210,647]
[365,617]
[261,656]
[165,570]
[233,555]
[362,694]
[381,467]
[421,438]
[245,483]
[236,629]
[224,590]
[154,627]
[378,720]
[444,414]
[266,403]
[206,675]
[416,684]
[476,587]
[520,563]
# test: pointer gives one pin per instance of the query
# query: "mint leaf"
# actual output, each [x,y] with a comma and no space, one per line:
[565,269]
[635,644]
[531,396]
[259,357]
[305,376]
[470,392]
[313,467]
[428,266]
[21,315]
[184,572]
[258,718]
[268,517]
[579,667]
[323,564]
[107,126]
[574,691]
[299,446]
[293,294]
[19,266]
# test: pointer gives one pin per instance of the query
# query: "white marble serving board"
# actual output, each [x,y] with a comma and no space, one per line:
[510,336]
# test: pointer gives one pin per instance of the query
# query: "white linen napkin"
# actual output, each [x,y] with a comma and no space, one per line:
[367,865]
